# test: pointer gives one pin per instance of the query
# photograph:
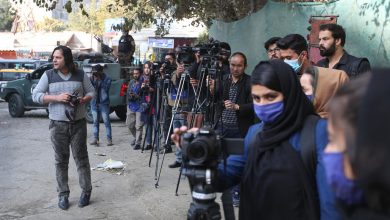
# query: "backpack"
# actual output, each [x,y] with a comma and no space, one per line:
[282,182]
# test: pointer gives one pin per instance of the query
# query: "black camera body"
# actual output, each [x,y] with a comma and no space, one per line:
[74,99]
[201,149]
[133,97]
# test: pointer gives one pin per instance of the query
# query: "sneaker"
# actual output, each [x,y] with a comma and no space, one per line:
[63,202]
[236,198]
[175,165]
[148,147]
[137,147]
[109,142]
[84,199]
[94,142]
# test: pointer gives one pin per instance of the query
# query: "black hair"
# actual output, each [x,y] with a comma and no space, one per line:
[271,41]
[295,42]
[224,45]
[139,69]
[149,64]
[68,57]
[170,54]
[242,55]
[265,75]
[344,110]
[338,31]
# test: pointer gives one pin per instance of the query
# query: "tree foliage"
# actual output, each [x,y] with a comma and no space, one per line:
[138,13]
[50,24]
[6,15]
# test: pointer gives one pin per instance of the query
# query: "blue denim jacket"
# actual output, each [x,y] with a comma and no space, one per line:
[105,84]
[235,167]
[135,87]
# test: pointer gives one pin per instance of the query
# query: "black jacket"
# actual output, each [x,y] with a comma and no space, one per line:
[245,116]
[352,65]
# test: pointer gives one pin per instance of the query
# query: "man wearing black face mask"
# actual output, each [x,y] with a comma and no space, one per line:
[332,40]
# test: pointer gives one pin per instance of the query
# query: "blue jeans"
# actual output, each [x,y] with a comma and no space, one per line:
[149,127]
[104,112]
[178,121]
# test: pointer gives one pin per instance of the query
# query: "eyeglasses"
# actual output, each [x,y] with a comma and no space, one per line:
[270,51]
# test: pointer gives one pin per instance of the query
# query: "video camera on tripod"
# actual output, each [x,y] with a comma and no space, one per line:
[202,152]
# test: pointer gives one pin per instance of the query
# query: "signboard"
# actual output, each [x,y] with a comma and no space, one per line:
[108,23]
[161,42]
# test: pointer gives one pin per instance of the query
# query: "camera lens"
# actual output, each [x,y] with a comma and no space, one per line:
[198,151]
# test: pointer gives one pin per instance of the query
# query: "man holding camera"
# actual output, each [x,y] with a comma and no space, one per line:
[55,88]
[100,104]
[166,71]
[136,106]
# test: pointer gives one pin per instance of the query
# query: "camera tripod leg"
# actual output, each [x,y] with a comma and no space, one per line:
[162,162]
[178,180]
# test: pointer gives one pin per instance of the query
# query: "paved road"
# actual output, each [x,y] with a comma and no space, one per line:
[27,177]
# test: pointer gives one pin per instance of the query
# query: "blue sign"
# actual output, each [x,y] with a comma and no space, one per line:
[161,42]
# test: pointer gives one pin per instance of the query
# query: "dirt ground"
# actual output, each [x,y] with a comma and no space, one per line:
[28,185]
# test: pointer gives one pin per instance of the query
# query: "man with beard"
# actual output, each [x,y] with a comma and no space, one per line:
[272,48]
[332,40]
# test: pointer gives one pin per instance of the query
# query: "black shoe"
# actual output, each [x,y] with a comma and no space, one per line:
[84,199]
[168,149]
[148,147]
[137,147]
[175,165]
[63,202]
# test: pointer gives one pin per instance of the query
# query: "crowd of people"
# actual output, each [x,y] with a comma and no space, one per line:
[314,148]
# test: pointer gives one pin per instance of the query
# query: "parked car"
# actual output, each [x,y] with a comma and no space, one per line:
[12,74]
[30,64]
[18,92]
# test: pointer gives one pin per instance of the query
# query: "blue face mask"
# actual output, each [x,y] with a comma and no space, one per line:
[294,64]
[345,189]
[270,112]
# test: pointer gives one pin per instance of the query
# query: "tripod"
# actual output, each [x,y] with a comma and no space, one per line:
[176,105]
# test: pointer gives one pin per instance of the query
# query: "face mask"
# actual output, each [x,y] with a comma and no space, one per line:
[345,189]
[294,64]
[270,112]
[310,97]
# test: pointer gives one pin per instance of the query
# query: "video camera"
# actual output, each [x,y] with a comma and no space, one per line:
[213,48]
[201,154]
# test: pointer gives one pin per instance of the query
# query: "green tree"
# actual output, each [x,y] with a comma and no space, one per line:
[91,20]
[6,16]
[50,24]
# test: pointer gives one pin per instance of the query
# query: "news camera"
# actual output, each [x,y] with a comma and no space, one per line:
[202,152]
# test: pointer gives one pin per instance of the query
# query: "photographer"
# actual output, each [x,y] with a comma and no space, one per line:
[166,72]
[100,104]
[184,61]
[149,86]
[67,121]
[278,179]
[136,107]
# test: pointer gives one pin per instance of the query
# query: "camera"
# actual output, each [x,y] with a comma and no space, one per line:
[185,54]
[201,149]
[133,97]
[74,99]
[202,152]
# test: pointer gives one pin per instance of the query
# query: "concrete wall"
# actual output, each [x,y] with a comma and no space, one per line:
[367,24]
